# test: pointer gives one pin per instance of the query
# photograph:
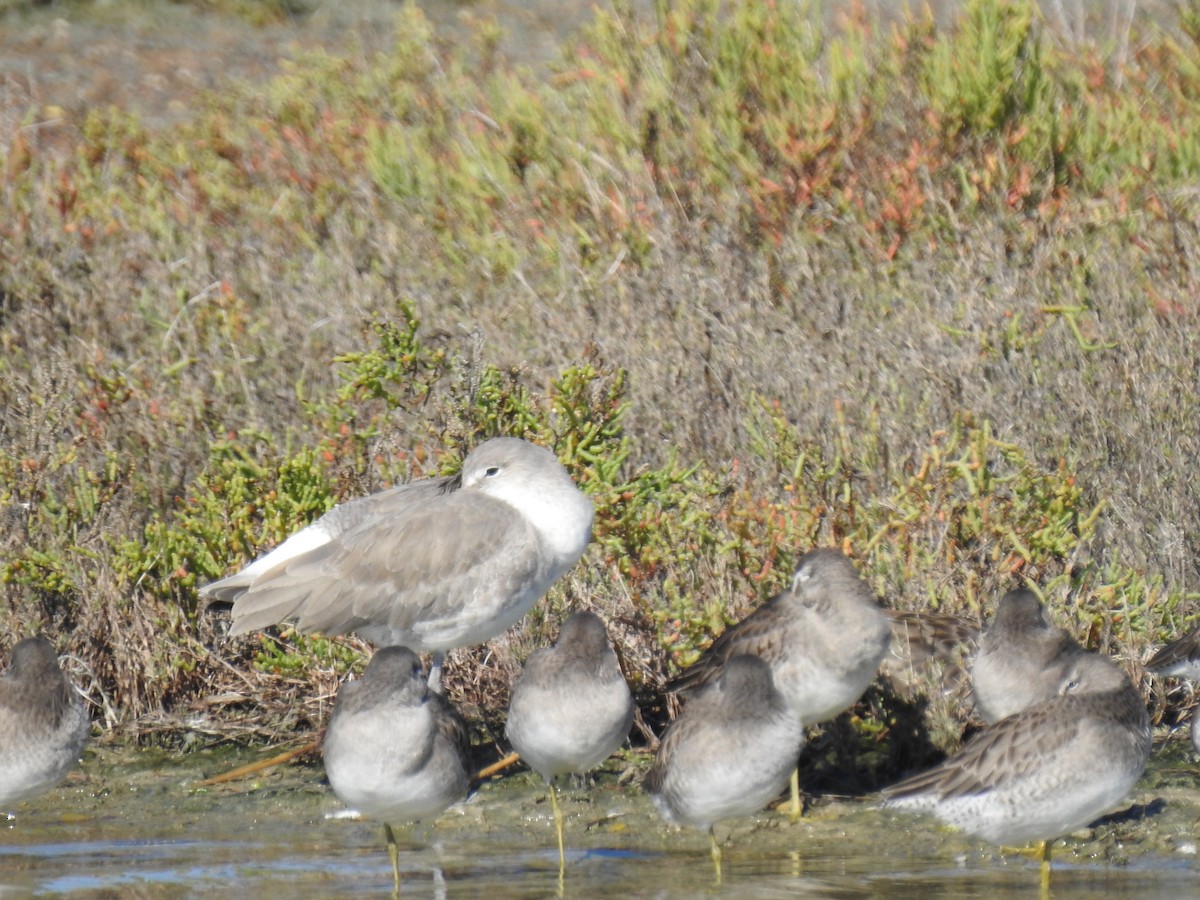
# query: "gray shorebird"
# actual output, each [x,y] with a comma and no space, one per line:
[429,565]
[1045,771]
[824,639]
[729,753]
[1022,658]
[1181,658]
[43,723]
[570,708]
[395,750]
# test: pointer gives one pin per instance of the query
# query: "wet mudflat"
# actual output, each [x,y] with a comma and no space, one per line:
[134,824]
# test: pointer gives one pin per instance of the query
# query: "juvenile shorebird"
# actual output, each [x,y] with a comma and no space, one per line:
[1022,658]
[1045,771]
[1181,658]
[730,751]
[43,723]
[394,749]
[823,638]
[430,565]
[570,708]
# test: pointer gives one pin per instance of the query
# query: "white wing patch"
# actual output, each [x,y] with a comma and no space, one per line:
[304,540]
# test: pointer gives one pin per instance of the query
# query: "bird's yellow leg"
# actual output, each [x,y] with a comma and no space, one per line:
[716,851]
[558,828]
[1041,852]
[797,809]
[394,853]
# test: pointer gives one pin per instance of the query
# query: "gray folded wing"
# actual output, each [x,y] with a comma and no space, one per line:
[398,558]
[342,518]
[1180,657]
[1007,751]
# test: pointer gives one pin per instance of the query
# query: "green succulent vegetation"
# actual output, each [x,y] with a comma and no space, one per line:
[763,276]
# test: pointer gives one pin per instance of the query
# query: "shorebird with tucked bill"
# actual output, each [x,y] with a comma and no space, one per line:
[570,709]
[1045,771]
[1022,658]
[430,565]
[729,753]
[395,750]
[823,638]
[43,723]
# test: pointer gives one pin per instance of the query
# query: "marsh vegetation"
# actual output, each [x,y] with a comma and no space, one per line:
[925,289]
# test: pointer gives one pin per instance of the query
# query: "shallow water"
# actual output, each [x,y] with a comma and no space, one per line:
[134,825]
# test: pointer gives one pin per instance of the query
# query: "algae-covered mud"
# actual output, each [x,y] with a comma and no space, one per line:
[136,825]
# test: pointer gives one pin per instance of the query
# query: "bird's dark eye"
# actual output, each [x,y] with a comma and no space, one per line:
[491,470]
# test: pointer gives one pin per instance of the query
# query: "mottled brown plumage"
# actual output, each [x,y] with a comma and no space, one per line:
[920,639]
[1047,770]
[1180,658]
[824,639]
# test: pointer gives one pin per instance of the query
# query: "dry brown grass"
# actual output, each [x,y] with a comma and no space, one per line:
[152,306]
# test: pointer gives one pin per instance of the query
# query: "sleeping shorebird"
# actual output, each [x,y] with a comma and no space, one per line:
[824,639]
[570,708]
[1022,658]
[43,723]
[430,565]
[729,753]
[1045,771]
[395,750]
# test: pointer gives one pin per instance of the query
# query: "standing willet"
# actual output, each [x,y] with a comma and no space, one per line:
[1045,771]
[394,749]
[430,565]
[570,708]
[1181,658]
[824,639]
[1022,658]
[43,723]
[730,751]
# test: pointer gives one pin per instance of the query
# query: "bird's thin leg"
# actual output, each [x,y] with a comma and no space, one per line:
[394,853]
[716,851]
[558,828]
[1044,853]
[797,809]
